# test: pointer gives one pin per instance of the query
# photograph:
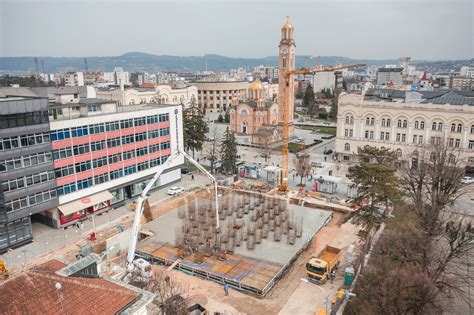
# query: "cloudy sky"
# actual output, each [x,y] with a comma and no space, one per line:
[376,29]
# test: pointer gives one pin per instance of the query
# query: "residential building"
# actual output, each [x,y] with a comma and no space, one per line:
[407,122]
[104,153]
[145,77]
[217,96]
[74,79]
[117,77]
[467,71]
[27,175]
[461,83]
[390,76]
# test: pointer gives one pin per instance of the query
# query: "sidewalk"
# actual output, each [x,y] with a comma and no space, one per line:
[47,239]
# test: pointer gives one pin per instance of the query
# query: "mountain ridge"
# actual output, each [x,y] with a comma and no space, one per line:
[135,61]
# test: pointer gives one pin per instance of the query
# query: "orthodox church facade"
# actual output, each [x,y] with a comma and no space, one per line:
[257,120]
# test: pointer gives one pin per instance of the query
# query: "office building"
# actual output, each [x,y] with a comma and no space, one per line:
[217,96]
[390,76]
[74,79]
[27,175]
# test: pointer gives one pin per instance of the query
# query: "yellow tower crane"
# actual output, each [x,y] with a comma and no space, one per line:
[288,75]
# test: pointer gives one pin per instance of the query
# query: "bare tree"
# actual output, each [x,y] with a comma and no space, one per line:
[213,149]
[267,148]
[302,164]
[171,296]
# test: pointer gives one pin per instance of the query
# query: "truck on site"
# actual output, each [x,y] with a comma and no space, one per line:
[318,269]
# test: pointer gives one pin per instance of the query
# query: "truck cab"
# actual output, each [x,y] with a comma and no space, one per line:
[317,270]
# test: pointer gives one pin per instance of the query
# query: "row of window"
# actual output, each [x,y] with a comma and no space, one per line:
[109,143]
[27,181]
[23,119]
[26,161]
[81,131]
[102,178]
[418,124]
[23,141]
[110,159]
[31,200]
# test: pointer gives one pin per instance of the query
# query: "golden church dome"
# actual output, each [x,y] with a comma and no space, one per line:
[287,25]
[256,86]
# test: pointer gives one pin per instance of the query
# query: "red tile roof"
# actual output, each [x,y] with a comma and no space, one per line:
[147,85]
[35,293]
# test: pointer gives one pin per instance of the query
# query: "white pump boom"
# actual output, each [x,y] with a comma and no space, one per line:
[143,196]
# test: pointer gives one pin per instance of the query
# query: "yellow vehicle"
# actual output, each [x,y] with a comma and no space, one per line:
[318,269]
[3,270]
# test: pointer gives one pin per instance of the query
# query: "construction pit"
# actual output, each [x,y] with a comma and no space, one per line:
[248,244]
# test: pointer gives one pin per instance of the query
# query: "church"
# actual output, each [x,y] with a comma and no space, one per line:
[257,120]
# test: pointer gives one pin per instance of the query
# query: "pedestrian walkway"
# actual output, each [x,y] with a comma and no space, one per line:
[47,239]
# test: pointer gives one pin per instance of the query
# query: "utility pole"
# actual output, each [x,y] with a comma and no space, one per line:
[87,67]
[37,70]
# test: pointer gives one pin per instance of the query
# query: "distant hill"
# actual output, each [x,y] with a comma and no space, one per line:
[138,61]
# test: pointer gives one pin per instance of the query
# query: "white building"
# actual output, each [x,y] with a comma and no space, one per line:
[324,80]
[161,94]
[74,79]
[467,71]
[407,122]
[117,77]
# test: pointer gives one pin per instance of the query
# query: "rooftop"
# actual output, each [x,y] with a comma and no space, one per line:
[15,98]
[36,292]
[453,97]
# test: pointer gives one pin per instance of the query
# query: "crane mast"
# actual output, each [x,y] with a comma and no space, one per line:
[288,76]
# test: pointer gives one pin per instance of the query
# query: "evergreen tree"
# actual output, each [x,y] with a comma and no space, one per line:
[227,117]
[220,119]
[309,101]
[195,129]
[229,152]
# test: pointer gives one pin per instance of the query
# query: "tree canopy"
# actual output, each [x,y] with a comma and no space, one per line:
[229,152]
[195,129]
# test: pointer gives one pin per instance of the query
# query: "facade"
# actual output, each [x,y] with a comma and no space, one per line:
[324,80]
[117,77]
[406,122]
[74,79]
[104,154]
[461,83]
[467,71]
[27,175]
[255,120]
[160,94]
[217,96]
[386,76]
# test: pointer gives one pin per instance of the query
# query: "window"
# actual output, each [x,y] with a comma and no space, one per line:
[415,138]
[61,134]
[128,139]
[81,149]
[387,136]
[164,117]
[154,148]
[404,137]
[440,126]
[371,134]
[398,152]
[347,147]
[453,127]
[388,122]
[417,124]
[165,145]
[399,124]
[349,119]
[142,151]
[459,129]
[116,174]
[84,183]
[79,131]
[126,123]
[128,155]
[433,126]
[66,189]
[366,134]
[111,126]
[99,179]
[96,163]
[96,128]
[471,144]
[115,158]
[83,166]
[370,121]
[130,170]
[383,122]
[457,143]
[164,131]
[140,136]
[152,119]
[140,121]
[92,108]
[422,124]
[97,145]
[398,137]
[472,128]
[405,124]
[65,171]
[420,139]
[113,142]
[143,166]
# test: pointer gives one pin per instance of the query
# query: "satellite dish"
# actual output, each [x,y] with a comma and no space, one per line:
[58,285]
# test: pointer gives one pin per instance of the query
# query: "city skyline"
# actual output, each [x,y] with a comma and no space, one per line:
[369,30]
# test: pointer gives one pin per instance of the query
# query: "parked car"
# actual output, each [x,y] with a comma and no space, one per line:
[467,180]
[327,152]
[317,164]
[175,191]
[185,170]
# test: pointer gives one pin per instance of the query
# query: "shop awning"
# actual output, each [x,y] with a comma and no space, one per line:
[85,202]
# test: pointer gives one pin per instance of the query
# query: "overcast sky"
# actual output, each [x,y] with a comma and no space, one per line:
[375,29]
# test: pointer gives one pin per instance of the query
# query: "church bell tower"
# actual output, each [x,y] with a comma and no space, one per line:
[286,62]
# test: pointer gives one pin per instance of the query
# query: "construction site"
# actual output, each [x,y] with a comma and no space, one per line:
[248,243]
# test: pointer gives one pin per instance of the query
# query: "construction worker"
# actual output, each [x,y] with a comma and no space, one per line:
[226,289]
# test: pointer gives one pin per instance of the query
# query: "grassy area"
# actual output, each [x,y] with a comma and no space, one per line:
[193,168]
[295,147]
[326,130]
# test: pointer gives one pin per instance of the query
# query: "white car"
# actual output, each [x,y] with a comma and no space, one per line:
[317,164]
[175,191]
[467,180]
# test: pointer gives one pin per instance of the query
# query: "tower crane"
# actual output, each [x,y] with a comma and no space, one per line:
[288,76]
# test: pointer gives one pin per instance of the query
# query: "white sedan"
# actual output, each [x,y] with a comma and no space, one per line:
[175,191]
[467,180]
